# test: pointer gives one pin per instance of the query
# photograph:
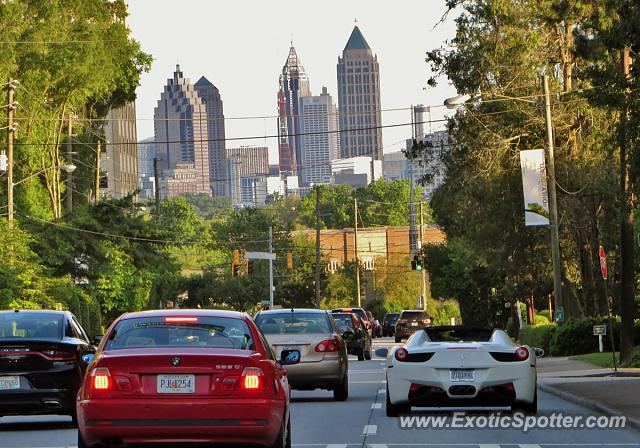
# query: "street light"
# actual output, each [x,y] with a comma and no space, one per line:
[460,100]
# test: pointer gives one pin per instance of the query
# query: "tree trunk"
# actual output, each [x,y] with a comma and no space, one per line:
[600,304]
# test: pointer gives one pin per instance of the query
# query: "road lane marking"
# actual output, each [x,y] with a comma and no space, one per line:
[370,430]
[489,446]
[376,406]
[377,445]
[344,445]
[530,446]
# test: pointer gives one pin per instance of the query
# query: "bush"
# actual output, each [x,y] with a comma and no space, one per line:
[575,336]
[634,362]
[537,336]
[540,320]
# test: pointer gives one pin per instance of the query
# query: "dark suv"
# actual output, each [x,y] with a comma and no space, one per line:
[360,312]
[409,322]
[41,362]
[389,324]
[354,333]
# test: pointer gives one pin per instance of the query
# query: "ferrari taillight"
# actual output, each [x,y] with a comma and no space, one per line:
[251,379]
[402,354]
[100,379]
[328,346]
[522,353]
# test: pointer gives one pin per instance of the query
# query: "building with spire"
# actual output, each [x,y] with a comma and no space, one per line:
[210,96]
[294,84]
[181,137]
[360,116]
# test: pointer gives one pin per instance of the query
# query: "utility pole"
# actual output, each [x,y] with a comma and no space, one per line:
[355,250]
[156,177]
[10,135]
[98,151]
[69,160]
[553,206]
[270,269]
[413,232]
[317,246]
[423,272]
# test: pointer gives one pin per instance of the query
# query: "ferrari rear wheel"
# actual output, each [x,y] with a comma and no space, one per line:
[394,410]
[528,408]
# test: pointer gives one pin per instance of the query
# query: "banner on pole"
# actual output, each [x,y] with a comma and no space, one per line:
[534,186]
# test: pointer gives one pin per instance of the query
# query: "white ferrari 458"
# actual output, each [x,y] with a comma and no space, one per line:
[460,366]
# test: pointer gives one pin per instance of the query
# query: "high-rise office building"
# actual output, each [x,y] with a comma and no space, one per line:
[146,154]
[294,84]
[119,161]
[245,162]
[320,142]
[181,135]
[359,99]
[210,96]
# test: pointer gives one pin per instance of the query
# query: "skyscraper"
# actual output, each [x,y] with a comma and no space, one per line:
[320,142]
[210,96]
[294,84]
[120,160]
[359,99]
[180,122]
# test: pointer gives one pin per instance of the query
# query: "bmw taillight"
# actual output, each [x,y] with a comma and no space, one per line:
[101,380]
[328,346]
[522,353]
[252,379]
[402,354]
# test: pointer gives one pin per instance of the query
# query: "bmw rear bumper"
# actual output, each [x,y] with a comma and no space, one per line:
[157,421]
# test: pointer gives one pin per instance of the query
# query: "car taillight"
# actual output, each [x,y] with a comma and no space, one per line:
[65,356]
[522,353]
[402,354]
[101,379]
[251,379]
[426,321]
[402,321]
[326,346]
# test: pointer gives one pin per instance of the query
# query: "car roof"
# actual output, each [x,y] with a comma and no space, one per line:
[294,310]
[61,313]
[185,312]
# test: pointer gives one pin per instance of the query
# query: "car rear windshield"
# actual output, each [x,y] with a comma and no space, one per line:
[30,326]
[459,334]
[391,317]
[411,315]
[343,320]
[181,331]
[358,311]
[294,323]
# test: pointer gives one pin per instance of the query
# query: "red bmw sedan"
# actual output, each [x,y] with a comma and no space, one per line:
[187,376]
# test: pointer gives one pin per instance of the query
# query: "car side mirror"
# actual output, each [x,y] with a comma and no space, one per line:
[88,356]
[289,357]
[382,352]
[97,339]
[539,352]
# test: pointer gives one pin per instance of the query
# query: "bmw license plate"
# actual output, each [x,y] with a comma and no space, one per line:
[9,382]
[176,384]
[459,375]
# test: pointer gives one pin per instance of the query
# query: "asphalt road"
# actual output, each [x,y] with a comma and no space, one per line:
[318,421]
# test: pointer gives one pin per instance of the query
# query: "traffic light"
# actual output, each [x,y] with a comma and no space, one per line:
[289,260]
[416,263]
[235,264]
[250,267]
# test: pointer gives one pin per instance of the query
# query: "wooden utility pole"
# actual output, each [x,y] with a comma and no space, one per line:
[355,250]
[627,250]
[98,152]
[69,161]
[156,177]
[10,135]
[317,246]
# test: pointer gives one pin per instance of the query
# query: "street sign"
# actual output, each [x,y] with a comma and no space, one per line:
[599,330]
[259,256]
[603,262]
[559,314]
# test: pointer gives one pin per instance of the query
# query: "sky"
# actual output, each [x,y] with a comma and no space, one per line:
[242,45]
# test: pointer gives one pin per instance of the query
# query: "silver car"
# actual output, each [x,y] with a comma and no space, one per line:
[323,353]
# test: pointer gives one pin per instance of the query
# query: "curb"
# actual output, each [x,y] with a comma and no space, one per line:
[590,404]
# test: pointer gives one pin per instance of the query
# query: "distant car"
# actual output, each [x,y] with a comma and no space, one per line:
[41,367]
[460,366]
[377,328]
[323,352]
[355,334]
[389,324]
[360,312]
[185,376]
[374,325]
[409,322]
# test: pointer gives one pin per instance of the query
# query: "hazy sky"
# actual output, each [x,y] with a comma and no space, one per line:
[241,46]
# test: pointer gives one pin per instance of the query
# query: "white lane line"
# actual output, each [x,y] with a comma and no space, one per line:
[370,430]
[382,391]
[530,446]
[337,446]
[377,445]
[384,381]
[376,406]
[489,446]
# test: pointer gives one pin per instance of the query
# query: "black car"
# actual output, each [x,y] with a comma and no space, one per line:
[409,322]
[389,324]
[354,333]
[41,362]
[360,312]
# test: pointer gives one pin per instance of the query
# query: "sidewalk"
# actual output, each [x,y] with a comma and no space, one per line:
[593,387]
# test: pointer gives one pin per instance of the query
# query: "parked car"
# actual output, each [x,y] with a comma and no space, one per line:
[460,366]
[354,333]
[185,376]
[360,312]
[41,367]
[409,322]
[389,324]
[323,353]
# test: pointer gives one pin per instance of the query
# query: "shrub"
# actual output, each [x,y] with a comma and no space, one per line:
[537,336]
[575,336]
[634,362]
[540,320]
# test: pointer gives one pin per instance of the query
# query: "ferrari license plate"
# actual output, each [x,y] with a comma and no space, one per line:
[462,375]
[9,382]
[176,384]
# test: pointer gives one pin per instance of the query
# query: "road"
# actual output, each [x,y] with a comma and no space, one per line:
[319,422]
